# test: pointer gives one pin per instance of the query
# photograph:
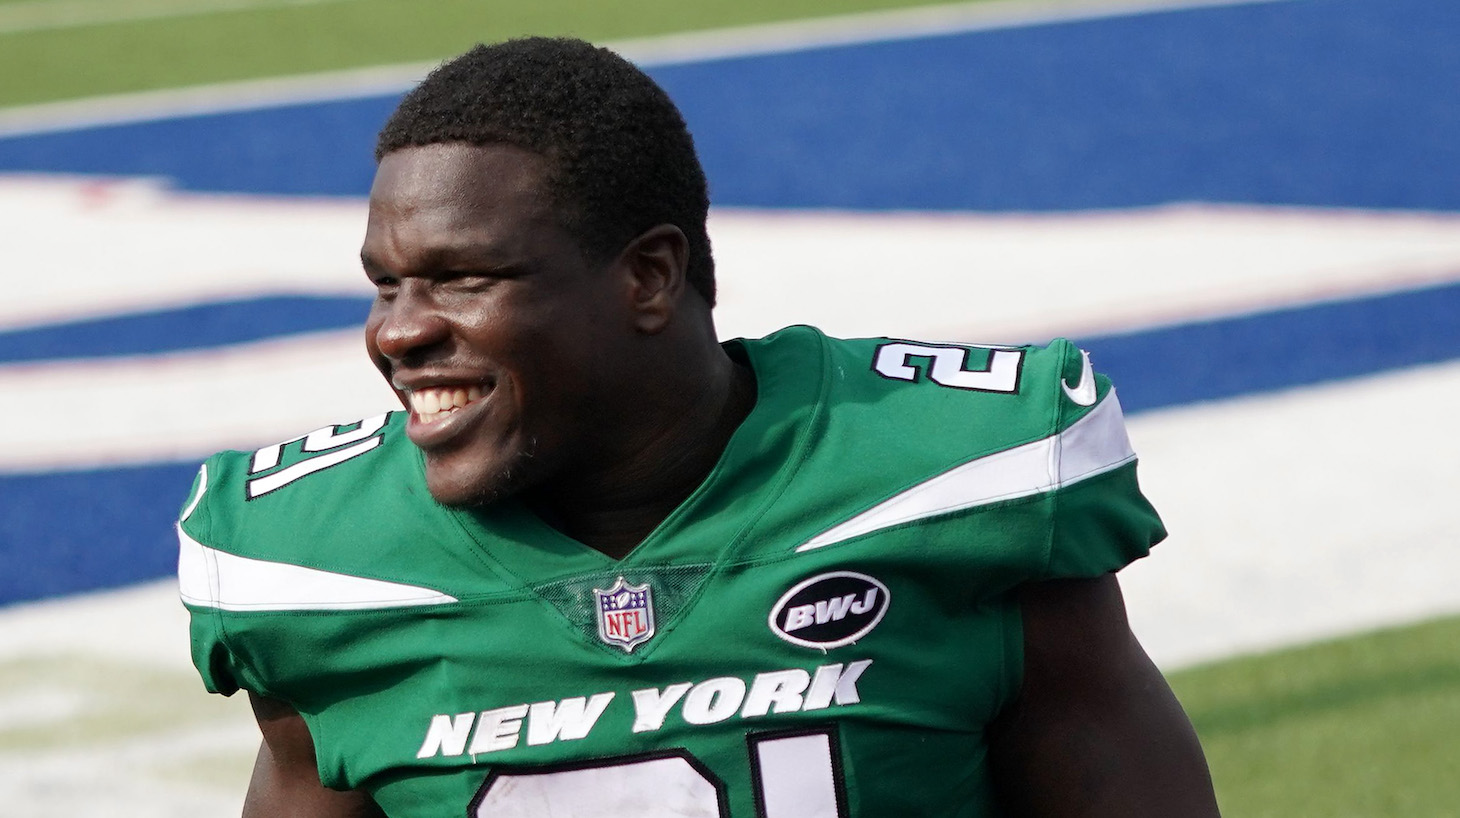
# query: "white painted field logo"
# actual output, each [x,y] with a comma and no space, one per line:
[830,610]
[625,614]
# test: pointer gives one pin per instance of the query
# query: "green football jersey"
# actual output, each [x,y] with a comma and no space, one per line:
[824,628]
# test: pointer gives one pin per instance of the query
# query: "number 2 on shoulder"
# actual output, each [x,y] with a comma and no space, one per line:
[947,366]
[322,448]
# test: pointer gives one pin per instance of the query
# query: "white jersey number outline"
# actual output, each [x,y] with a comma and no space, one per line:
[947,366]
[795,774]
[325,446]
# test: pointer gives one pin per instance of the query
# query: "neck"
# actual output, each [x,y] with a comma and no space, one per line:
[680,431]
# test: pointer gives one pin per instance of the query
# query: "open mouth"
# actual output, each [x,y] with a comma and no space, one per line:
[437,403]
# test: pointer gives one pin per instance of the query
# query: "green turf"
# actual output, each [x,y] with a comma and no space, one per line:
[78,62]
[112,701]
[1365,726]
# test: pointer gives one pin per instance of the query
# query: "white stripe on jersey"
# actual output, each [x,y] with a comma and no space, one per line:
[1095,444]
[210,578]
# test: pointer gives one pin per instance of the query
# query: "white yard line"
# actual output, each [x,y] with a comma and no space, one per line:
[49,15]
[738,41]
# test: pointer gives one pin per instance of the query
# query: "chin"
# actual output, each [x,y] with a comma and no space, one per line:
[474,486]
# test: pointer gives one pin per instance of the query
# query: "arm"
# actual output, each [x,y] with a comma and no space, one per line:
[1095,730]
[285,780]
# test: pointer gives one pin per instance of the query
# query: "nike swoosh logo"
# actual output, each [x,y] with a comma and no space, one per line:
[197,498]
[1082,393]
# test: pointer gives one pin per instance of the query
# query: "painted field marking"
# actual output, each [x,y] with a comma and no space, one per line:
[723,43]
[1085,273]
[986,277]
[1298,515]
[49,15]
[890,26]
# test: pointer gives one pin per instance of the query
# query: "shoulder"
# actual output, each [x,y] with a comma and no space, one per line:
[343,499]
[959,399]
[1022,449]
[325,522]
[302,477]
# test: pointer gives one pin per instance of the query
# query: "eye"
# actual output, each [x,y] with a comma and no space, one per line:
[385,286]
[468,281]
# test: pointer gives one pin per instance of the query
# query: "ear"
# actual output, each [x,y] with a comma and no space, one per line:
[655,262]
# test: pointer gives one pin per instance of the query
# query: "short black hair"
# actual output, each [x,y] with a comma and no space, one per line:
[621,158]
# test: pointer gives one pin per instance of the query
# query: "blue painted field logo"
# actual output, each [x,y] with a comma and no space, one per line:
[625,614]
[830,610]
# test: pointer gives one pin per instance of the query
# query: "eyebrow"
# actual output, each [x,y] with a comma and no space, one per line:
[450,258]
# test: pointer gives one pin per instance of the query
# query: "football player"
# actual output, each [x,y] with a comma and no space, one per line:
[602,564]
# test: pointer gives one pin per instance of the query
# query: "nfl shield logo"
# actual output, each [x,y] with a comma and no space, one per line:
[625,614]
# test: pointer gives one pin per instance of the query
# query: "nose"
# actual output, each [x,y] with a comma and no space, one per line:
[407,325]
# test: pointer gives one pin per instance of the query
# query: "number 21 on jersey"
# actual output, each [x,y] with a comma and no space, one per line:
[795,775]
[321,449]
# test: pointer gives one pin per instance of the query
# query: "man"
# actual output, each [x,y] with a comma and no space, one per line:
[604,565]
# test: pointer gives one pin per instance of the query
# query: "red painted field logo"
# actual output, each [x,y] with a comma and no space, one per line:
[625,614]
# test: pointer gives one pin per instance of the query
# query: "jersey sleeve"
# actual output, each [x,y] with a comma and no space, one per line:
[1100,520]
[1003,465]
[198,587]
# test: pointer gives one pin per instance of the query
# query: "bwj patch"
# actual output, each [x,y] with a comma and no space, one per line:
[625,614]
[830,610]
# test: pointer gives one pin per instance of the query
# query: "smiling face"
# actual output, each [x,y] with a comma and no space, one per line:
[497,334]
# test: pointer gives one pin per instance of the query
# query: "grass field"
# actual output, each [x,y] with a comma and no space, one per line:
[47,63]
[1362,726]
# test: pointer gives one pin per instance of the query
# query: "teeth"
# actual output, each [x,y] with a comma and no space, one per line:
[434,403]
